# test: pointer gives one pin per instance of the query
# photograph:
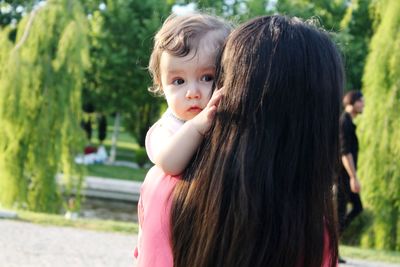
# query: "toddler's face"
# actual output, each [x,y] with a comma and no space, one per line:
[187,81]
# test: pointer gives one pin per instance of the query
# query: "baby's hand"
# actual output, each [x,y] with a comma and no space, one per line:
[202,122]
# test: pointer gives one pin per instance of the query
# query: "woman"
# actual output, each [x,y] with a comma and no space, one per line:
[259,190]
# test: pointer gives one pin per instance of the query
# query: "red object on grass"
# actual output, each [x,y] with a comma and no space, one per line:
[90,150]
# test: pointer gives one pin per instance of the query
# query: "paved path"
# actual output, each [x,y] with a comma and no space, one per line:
[30,245]
[363,263]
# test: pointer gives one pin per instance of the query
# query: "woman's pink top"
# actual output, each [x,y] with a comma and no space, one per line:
[154,247]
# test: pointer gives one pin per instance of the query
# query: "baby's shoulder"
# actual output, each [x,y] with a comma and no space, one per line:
[168,122]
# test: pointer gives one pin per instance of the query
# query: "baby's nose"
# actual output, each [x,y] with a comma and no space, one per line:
[193,91]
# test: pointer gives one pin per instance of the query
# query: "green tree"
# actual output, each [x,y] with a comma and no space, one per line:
[12,10]
[330,13]
[40,103]
[348,21]
[354,38]
[217,7]
[380,128]
[258,8]
[121,36]
[235,10]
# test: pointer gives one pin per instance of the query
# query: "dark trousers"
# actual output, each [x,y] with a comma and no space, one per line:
[345,196]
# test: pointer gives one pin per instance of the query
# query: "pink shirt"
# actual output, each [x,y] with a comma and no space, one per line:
[154,247]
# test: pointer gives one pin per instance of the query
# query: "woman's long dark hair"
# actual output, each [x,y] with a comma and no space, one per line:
[259,190]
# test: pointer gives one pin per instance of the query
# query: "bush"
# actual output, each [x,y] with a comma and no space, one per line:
[359,227]
[141,157]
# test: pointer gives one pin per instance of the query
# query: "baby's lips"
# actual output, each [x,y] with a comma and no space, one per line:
[195,108]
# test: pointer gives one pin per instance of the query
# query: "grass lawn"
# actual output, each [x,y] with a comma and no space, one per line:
[117,172]
[369,254]
[90,224]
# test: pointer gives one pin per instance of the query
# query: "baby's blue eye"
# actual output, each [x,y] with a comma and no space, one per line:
[207,78]
[178,81]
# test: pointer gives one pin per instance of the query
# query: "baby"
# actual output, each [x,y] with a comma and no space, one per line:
[183,68]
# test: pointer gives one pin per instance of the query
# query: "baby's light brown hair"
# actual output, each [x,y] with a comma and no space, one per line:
[180,35]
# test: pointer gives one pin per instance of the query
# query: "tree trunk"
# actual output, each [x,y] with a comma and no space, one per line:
[113,152]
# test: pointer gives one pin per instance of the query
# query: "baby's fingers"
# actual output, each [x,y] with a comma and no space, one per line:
[215,98]
[211,113]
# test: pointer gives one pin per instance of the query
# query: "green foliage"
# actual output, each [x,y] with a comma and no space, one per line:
[40,106]
[11,10]
[216,6]
[354,40]
[257,7]
[330,13]
[141,157]
[121,38]
[235,10]
[380,129]
[349,23]
[358,228]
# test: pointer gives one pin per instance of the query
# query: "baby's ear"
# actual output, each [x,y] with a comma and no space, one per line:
[156,90]
[160,90]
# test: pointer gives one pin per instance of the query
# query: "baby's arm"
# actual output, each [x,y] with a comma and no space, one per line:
[175,154]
